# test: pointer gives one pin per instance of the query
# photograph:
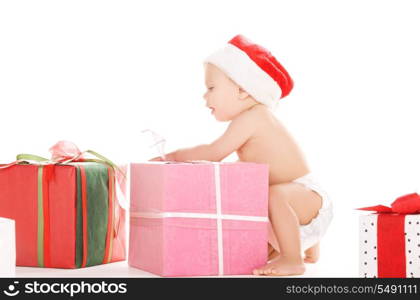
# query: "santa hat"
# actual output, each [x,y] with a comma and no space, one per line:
[254,69]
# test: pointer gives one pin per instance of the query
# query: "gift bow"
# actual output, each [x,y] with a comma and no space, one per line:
[64,152]
[407,204]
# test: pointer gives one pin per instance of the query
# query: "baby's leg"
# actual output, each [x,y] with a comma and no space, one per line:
[312,254]
[290,204]
[272,253]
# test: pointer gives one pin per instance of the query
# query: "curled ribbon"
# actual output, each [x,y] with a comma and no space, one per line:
[158,143]
[407,204]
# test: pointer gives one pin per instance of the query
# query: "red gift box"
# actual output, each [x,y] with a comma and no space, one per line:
[66,209]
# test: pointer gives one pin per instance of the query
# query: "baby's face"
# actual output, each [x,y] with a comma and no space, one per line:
[222,95]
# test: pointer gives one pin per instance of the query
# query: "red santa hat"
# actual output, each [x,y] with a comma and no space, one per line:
[254,69]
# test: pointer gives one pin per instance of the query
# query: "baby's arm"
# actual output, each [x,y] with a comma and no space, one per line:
[238,132]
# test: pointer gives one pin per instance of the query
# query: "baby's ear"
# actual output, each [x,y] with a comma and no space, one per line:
[242,94]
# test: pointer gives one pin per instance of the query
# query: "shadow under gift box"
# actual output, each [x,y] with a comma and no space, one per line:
[67,216]
[174,229]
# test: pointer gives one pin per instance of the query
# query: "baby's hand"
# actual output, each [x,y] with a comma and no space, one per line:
[158,158]
[166,157]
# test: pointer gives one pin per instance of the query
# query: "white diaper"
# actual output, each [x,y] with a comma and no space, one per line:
[311,233]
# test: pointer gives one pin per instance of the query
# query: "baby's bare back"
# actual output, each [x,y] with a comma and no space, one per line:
[272,144]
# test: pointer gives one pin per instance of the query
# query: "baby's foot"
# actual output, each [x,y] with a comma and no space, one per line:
[312,254]
[282,266]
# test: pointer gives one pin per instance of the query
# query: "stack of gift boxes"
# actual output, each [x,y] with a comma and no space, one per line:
[186,219]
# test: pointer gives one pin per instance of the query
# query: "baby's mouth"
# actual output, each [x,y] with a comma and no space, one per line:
[212,110]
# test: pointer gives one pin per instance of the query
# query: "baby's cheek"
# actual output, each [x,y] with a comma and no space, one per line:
[223,101]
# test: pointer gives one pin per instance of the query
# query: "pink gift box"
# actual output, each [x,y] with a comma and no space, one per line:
[200,218]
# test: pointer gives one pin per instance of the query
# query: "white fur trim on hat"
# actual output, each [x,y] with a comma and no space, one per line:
[247,74]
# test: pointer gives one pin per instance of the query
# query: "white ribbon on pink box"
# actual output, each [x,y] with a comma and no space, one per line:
[218,215]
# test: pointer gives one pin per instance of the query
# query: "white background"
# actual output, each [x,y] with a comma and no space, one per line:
[99,72]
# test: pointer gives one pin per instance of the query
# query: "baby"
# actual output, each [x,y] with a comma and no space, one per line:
[243,82]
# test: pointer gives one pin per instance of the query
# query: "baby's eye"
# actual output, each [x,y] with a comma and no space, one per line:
[210,88]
